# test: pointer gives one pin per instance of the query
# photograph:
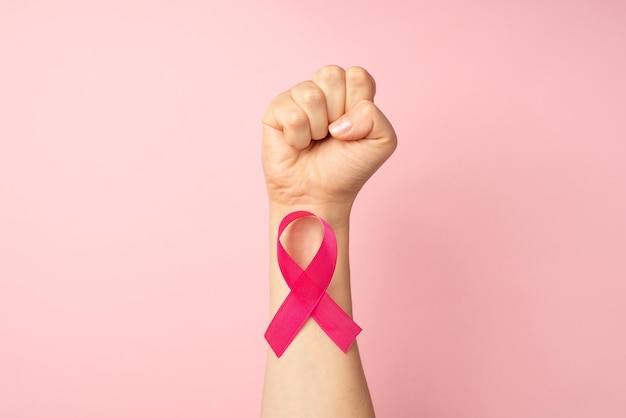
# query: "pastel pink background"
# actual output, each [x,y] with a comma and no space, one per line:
[488,254]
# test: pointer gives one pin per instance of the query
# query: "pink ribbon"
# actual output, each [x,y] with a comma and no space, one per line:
[308,295]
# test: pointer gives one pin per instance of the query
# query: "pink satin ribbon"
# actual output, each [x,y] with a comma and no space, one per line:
[308,295]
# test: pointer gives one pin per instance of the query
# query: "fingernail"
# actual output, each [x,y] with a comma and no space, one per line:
[340,126]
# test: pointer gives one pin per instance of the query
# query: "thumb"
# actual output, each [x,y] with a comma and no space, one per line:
[363,121]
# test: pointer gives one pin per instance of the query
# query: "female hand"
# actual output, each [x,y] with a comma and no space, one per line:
[323,139]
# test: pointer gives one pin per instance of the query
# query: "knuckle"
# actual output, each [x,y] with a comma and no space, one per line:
[359,75]
[368,107]
[308,93]
[330,74]
[313,95]
[295,119]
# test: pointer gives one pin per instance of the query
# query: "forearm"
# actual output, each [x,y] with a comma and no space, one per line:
[322,140]
[313,360]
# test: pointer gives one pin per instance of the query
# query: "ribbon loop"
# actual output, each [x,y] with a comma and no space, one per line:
[308,295]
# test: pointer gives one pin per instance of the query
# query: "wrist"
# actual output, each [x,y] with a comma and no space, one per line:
[336,214]
[302,239]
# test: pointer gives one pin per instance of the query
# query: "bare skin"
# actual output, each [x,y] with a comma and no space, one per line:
[322,140]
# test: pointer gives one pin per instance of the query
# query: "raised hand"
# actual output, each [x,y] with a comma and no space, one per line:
[324,138]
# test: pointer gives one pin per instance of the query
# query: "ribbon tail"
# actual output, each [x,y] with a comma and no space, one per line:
[337,324]
[293,313]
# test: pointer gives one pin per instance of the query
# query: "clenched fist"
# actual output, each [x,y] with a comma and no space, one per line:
[323,139]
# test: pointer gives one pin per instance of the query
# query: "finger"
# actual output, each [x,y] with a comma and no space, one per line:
[332,80]
[360,85]
[364,121]
[285,115]
[312,100]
